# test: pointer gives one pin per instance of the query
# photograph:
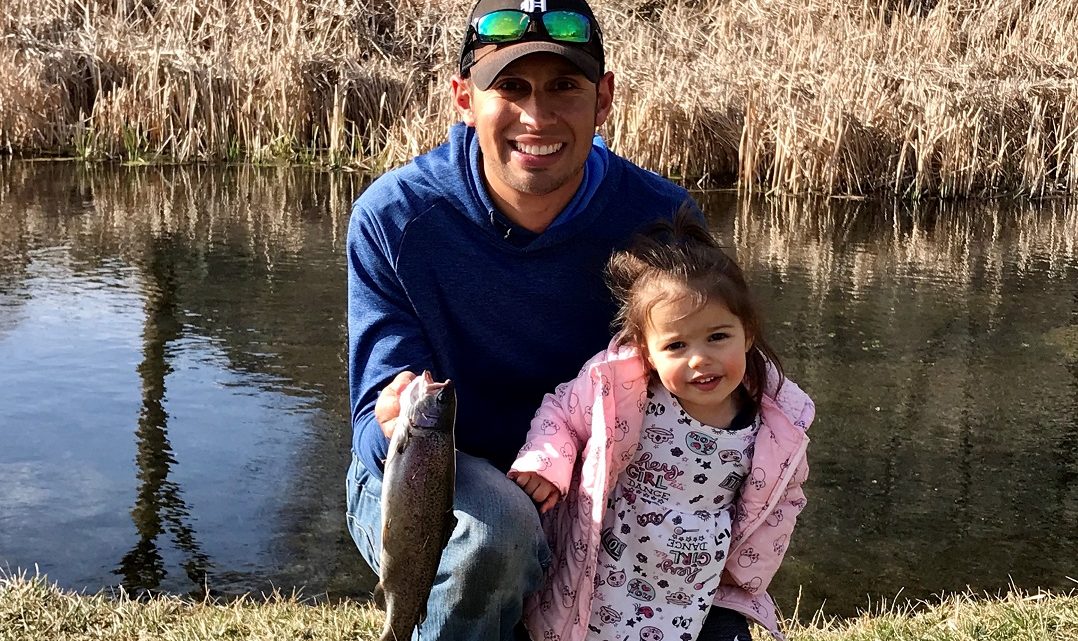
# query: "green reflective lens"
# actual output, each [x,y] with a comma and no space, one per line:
[567,26]
[509,25]
[502,26]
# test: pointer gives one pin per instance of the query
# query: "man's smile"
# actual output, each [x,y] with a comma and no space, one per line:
[537,150]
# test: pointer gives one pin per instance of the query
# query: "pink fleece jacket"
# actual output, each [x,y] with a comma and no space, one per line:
[584,435]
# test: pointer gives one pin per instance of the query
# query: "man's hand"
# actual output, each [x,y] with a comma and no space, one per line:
[387,408]
[542,491]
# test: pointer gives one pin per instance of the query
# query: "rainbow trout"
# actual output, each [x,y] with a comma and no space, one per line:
[417,502]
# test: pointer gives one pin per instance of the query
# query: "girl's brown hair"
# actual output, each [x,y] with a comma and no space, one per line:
[672,259]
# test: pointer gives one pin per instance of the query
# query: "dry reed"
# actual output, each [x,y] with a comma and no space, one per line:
[953,98]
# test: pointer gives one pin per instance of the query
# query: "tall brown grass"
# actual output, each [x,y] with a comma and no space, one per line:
[908,97]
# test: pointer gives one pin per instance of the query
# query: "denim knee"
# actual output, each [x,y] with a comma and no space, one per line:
[501,556]
[498,544]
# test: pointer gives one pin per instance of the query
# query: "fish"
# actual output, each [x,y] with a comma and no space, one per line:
[417,502]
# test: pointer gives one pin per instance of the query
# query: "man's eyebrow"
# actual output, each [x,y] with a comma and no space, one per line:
[568,70]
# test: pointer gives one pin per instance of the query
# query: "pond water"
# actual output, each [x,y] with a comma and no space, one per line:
[173,395]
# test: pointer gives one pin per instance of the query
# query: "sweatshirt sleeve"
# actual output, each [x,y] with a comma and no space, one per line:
[558,433]
[384,334]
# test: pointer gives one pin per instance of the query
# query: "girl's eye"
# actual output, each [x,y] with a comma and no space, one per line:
[676,345]
[718,336]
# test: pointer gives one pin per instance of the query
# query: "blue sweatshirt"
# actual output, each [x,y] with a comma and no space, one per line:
[439,280]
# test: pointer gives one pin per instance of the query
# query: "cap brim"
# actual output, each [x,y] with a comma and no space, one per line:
[486,69]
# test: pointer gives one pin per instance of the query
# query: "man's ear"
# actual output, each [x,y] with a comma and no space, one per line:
[462,88]
[605,98]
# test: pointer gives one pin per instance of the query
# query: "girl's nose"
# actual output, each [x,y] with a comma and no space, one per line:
[696,360]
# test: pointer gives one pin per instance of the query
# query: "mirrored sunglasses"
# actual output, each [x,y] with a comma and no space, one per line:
[510,25]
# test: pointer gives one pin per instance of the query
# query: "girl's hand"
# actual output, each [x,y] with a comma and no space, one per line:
[542,491]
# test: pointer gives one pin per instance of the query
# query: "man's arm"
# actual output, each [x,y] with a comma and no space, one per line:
[384,335]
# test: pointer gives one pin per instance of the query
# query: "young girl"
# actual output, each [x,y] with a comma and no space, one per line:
[680,453]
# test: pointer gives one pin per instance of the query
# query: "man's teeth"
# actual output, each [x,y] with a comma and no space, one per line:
[538,150]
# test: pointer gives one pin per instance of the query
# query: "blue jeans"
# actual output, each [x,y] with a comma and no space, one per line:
[496,555]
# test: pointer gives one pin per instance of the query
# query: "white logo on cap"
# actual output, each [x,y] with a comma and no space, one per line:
[531,6]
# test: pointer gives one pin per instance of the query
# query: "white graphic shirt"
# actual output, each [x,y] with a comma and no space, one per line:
[666,531]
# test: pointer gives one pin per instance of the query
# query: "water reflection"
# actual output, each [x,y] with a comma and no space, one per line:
[230,297]
[187,328]
[944,450]
[159,505]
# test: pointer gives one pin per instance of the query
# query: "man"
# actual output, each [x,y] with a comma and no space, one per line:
[482,262]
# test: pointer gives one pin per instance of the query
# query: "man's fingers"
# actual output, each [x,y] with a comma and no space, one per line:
[399,382]
[388,406]
[390,426]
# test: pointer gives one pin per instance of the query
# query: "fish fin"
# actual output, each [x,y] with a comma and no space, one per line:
[379,596]
[402,441]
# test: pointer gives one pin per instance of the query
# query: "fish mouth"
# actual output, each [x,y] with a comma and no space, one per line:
[425,401]
[422,385]
[429,386]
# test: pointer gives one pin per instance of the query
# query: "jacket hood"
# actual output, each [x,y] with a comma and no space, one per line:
[442,167]
[791,400]
[452,169]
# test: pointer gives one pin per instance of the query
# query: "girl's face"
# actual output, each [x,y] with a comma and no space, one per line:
[699,356]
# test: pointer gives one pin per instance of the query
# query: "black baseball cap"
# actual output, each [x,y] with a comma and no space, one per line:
[484,61]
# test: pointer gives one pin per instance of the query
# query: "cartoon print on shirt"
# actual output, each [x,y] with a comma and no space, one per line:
[609,615]
[641,590]
[700,443]
[612,544]
[726,456]
[658,435]
[670,551]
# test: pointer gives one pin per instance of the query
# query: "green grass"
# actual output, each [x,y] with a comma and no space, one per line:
[32,609]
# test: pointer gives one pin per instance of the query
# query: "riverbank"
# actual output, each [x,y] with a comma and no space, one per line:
[910,98]
[33,610]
